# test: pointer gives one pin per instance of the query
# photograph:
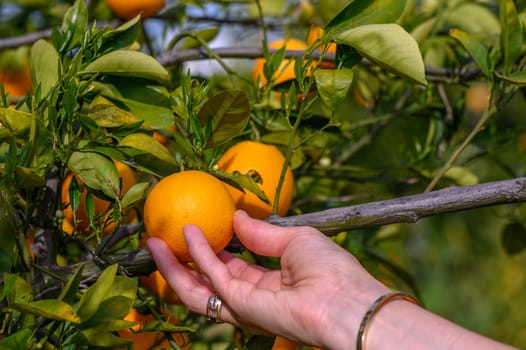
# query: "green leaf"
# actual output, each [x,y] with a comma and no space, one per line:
[148,102]
[14,122]
[44,66]
[244,182]
[516,78]
[51,309]
[206,35]
[228,113]
[107,115]
[333,85]
[19,291]
[96,171]
[5,262]
[18,340]
[28,178]
[475,47]
[94,337]
[362,12]
[69,293]
[74,25]
[471,18]
[511,34]
[121,37]
[95,295]
[146,144]
[130,64]
[513,238]
[136,193]
[389,46]
[164,326]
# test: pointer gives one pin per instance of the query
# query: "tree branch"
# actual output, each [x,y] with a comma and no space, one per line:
[410,208]
[332,221]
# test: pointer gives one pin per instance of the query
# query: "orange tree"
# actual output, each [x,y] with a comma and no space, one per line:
[375,140]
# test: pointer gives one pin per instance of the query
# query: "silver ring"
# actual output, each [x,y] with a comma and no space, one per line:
[213,308]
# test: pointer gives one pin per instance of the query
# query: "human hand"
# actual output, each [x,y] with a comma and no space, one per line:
[317,298]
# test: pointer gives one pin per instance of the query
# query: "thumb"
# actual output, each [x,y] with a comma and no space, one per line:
[264,238]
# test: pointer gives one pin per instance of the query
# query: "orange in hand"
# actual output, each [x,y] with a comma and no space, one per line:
[189,197]
[264,161]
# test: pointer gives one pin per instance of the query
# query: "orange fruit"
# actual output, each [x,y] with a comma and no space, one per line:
[16,82]
[477,97]
[189,197]
[285,70]
[127,9]
[102,206]
[316,32]
[265,161]
[284,344]
[156,284]
[163,139]
[150,340]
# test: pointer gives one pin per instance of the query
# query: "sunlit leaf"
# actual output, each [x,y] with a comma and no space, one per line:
[136,193]
[129,63]
[333,85]
[107,115]
[361,12]
[244,182]
[74,25]
[14,123]
[389,46]
[96,293]
[19,291]
[228,113]
[44,66]
[96,171]
[50,308]
[146,144]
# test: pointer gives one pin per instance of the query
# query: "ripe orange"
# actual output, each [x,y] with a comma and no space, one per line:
[285,70]
[189,197]
[127,9]
[101,206]
[150,340]
[247,157]
[284,344]
[16,82]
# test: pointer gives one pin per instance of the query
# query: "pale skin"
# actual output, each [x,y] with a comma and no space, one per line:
[317,298]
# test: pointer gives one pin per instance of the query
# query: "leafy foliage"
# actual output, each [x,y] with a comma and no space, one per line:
[389,113]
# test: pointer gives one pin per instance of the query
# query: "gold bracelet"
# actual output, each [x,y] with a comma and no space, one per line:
[373,309]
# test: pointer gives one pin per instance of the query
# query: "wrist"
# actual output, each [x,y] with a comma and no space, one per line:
[346,315]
